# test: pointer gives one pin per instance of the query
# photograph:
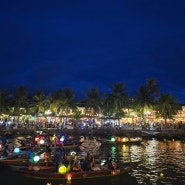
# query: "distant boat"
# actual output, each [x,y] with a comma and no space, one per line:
[124,140]
[89,145]
[151,133]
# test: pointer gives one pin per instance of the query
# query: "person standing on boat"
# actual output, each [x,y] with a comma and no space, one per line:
[75,165]
[31,155]
[58,157]
[4,140]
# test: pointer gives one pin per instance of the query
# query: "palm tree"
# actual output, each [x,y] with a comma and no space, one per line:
[18,101]
[40,102]
[63,102]
[3,102]
[93,101]
[68,102]
[116,101]
[56,97]
[166,106]
[145,97]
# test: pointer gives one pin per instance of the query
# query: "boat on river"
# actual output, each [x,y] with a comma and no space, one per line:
[16,153]
[51,174]
[89,145]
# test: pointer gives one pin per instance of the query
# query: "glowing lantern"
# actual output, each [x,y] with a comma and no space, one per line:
[62,138]
[103,162]
[113,172]
[16,150]
[69,178]
[41,141]
[62,169]
[113,139]
[36,158]
[36,139]
[118,139]
[125,139]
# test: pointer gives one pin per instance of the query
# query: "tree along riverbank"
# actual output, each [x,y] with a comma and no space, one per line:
[178,134]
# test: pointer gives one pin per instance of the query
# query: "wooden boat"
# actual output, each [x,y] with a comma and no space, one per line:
[51,174]
[88,145]
[15,161]
[31,167]
[13,155]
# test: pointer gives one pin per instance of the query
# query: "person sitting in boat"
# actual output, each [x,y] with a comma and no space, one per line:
[93,166]
[58,157]
[7,150]
[75,166]
[65,159]
[46,158]
[110,164]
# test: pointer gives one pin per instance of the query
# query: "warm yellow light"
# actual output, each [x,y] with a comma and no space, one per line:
[69,178]
[125,139]
[62,169]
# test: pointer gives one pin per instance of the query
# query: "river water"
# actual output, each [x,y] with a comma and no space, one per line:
[161,163]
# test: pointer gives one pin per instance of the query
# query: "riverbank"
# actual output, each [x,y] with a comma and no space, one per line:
[178,134]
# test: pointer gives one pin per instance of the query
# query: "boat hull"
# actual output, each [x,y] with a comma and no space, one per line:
[48,174]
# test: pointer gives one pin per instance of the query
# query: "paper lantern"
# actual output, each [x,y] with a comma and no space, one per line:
[62,169]
[36,158]
[41,141]
[16,150]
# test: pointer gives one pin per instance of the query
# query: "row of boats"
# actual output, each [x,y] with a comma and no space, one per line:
[19,161]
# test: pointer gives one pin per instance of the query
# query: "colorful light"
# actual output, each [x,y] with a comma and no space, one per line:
[36,158]
[16,150]
[62,169]
[125,139]
[69,178]
[41,141]
[113,139]
[37,138]
[62,138]
[113,172]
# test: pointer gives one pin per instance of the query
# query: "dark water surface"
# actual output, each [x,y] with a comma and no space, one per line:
[162,162]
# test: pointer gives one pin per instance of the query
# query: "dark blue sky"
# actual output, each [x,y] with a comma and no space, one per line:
[91,43]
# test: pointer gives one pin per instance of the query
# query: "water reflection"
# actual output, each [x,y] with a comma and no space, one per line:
[161,162]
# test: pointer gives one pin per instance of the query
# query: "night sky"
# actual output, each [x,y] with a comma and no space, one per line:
[80,44]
